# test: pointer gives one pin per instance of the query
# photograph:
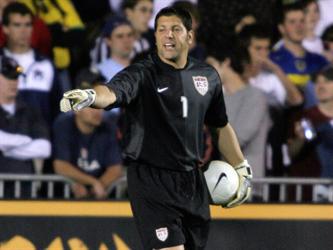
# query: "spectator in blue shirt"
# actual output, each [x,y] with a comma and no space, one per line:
[86,149]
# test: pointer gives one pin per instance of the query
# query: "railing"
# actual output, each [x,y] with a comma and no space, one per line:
[119,187]
[298,184]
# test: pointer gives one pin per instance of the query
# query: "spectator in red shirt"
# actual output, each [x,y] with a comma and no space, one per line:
[41,36]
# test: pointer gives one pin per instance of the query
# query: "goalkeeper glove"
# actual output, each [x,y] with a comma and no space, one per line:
[77,99]
[244,172]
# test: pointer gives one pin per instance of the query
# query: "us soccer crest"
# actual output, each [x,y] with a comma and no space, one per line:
[162,233]
[200,84]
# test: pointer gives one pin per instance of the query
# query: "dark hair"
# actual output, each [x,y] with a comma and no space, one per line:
[130,4]
[326,72]
[190,7]
[15,8]
[228,48]
[183,15]
[239,59]
[298,6]
[306,3]
[252,31]
[327,36]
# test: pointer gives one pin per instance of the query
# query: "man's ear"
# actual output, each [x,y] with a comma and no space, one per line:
[190,36]
[5,29]
[281,29]
[128,13]
[108,41]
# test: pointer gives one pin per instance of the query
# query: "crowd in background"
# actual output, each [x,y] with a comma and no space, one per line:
[273,57]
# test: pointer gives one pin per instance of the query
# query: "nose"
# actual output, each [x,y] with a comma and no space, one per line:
[169,33]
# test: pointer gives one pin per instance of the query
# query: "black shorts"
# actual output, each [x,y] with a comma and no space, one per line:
[170,208]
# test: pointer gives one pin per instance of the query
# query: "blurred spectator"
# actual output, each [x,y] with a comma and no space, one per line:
[197,50]
[312,41]
[67,30]
[241,99]
[86,149]
[327,39]
[119,37]
[38,85]
[264,74]
[312,139]
[40,38]
[23,133]
[292,57]
[138,13]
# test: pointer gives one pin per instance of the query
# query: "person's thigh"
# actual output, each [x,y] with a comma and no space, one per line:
[170,208]
[158,223]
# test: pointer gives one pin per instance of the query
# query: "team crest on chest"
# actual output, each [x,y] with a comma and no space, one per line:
[162,233]
[200,84]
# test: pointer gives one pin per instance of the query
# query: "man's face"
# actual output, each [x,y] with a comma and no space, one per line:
[324,89]
[312,15]
[19,30]
[140,15]
[8,88]
[90,117]
[293,28]
[121,41]
[172,38]
[258,48]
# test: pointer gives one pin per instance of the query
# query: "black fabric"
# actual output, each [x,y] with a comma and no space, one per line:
[165,111]
[169,200]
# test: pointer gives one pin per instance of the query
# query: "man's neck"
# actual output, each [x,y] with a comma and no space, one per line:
[295,48]
[326,108]
[125,61]
[18,49]
[178,64]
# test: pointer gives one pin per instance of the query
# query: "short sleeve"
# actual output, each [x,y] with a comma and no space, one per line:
[216,115]
[126,85]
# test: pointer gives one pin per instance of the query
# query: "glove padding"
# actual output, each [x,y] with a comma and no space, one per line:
[77,99]
[244,172]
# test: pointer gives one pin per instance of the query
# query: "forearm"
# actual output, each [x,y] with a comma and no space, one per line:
[228,145]
[294,97]
[9,140]
[110,175]
[66,169]
[104,97]
[37,148]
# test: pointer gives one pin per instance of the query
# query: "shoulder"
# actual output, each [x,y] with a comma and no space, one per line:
[279,54]
[316,57]
[202,67]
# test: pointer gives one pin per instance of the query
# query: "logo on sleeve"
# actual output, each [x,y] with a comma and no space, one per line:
[200,84]
[162,233]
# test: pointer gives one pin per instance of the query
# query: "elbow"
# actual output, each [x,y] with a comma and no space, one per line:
[46,146]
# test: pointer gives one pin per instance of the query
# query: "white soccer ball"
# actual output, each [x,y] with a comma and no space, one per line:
[222,181]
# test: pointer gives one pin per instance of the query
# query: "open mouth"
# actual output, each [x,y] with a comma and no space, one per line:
[169,46]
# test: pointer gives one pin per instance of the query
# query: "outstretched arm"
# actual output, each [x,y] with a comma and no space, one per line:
[99,97]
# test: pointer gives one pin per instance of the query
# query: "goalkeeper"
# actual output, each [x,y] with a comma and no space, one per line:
[169,97]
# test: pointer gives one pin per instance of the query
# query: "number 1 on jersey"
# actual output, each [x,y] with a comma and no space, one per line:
[184,101]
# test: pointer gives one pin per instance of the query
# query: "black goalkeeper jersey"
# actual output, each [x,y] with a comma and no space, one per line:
[166,110]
